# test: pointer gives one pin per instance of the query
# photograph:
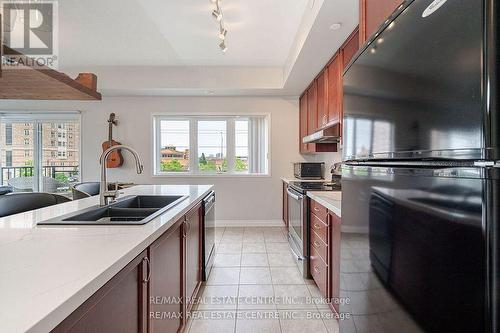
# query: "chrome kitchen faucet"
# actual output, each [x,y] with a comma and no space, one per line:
[104,193]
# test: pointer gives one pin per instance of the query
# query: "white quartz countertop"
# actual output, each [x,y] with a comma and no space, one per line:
[46,272]
[330,200]
[289,180]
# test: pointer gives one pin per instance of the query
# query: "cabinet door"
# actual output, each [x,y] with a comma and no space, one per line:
[303,122]
[350,48]
[119,306]
[166,281]
[373,13]
[322,99]
[312,108]
[334,89]
[334,260]
[193,255]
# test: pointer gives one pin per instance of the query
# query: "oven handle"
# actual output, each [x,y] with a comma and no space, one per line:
[293,195]
[299,258]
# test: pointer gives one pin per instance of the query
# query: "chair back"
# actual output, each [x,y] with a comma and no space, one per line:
[15,203]
[85,190]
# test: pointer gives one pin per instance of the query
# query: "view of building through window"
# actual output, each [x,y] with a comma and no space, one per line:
[201,145]
[174,150]
[212,146]
[39,156]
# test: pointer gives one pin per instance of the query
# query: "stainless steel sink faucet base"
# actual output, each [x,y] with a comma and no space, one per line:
[104,193]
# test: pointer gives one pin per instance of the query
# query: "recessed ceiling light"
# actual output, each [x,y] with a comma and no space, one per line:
[336,26]
[380,40]
[373,50]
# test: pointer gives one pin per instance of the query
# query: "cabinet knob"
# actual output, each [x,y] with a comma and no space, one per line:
[316,226]
[316,244]
[316,269]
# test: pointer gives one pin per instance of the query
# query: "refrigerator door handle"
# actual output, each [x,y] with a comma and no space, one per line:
[486,164]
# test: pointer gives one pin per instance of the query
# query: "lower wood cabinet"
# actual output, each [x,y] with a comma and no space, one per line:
[154,292]
[166,282]
[192,235]
[119,306]
[325,252]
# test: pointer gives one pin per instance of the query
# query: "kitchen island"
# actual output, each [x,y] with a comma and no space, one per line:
[48,272]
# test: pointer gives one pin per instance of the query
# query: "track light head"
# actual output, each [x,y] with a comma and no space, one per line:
[223,46]
[222,33]
[217,15]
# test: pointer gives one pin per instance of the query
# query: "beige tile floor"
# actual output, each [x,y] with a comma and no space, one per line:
[255,287]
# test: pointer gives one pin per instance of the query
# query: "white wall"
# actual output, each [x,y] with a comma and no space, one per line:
[248,198]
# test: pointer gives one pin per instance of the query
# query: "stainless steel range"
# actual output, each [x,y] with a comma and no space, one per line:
[298,217]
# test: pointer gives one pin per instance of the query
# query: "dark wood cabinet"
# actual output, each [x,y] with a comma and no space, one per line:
[192,235]
[325,236]
[166,282]
[334,89]
[119,306]
[322,116]
[334,258]
[312,108]
[321,105]
[303,123]
[372,14]
[285,204]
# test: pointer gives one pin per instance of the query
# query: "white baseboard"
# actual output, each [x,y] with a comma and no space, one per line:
[249,223]
[352,229]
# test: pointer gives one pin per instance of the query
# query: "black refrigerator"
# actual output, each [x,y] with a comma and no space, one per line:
[421,173]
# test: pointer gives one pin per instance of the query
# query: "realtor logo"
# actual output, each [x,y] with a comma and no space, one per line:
[31,29]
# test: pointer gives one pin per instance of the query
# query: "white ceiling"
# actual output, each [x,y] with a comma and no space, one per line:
[170,47]
[176,33]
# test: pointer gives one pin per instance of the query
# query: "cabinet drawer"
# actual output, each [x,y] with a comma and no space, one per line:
[318,210]
[320,246]
[319,272]
[320,228]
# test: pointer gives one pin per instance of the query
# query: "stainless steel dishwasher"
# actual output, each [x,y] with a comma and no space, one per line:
[208,234]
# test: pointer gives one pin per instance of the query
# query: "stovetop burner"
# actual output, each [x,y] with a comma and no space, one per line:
[303,187]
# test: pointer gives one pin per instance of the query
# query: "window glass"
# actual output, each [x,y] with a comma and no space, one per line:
[59,168]
[212,146]
[241,142]
[174,146]
[17,157]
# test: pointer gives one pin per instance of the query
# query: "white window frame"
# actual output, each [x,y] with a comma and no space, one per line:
[37,118]
[193,144]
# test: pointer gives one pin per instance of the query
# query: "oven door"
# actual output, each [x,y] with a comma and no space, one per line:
[297,231]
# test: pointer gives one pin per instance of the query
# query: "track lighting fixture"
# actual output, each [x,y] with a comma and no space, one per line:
[217,14]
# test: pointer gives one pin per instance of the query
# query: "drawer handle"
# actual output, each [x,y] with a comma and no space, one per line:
[146,259]
[316,209]
[316,244]
[316,269]
[316,226]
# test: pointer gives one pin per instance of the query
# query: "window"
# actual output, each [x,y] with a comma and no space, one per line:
[211,145]
[32,162]
[8,135]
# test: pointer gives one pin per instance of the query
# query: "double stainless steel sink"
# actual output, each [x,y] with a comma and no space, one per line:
[130,210]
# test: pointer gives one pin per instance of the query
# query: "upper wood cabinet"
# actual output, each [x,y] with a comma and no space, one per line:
[350,48]
[312,108]
[334,89]
[303,123]
[372,14]
[322,81]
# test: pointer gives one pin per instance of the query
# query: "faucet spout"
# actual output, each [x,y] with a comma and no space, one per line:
[104,193]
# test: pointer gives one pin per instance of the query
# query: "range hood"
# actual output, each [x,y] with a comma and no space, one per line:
[327,135]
